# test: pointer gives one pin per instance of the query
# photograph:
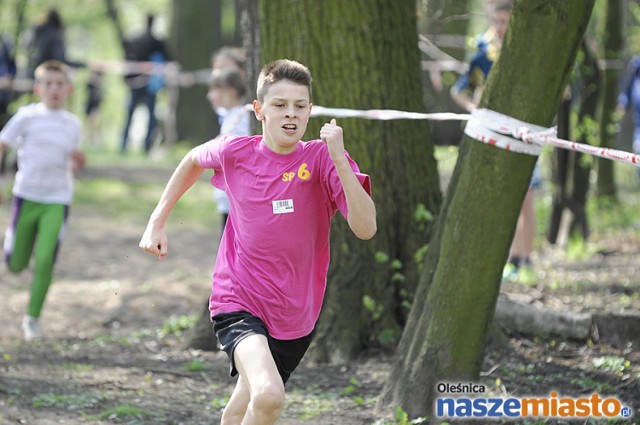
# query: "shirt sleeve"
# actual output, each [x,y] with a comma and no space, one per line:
[335,186]
[210,154]
[12,131]
[210,157]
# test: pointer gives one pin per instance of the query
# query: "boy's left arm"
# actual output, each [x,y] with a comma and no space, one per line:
[362,211]
[78,160]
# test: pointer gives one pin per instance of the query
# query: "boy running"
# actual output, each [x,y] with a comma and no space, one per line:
[46,137]
[271,268]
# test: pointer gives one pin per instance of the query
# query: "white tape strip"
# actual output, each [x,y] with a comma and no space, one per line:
[503,132]
[476,130]
[385,114]
[509,133]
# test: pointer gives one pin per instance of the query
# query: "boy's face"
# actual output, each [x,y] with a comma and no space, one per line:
[222,97]
[500,21]
[53,89]
[284,113]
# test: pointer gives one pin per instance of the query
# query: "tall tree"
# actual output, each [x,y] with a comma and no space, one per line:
[363,55]
[195,120]
[611,34]
[445,337]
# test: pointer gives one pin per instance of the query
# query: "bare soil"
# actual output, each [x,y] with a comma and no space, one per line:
[106,359]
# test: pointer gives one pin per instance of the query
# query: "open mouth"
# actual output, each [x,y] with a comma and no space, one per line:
[290,128]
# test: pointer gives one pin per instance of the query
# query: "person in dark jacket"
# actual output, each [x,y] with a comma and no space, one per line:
[143,86]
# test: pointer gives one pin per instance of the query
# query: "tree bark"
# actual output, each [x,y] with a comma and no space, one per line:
[446,334]
[363,55]
[195,120]
[249,12]
[612,46]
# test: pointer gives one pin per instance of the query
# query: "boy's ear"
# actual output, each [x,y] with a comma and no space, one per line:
[257,110]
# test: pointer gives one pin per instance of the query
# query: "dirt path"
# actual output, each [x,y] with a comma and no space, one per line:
[105,359]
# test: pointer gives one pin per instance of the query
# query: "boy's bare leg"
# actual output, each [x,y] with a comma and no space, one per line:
[266,390]
[524,237]
[236,408]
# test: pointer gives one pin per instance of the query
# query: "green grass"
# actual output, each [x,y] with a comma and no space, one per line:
[125,412]
[67,401]
[120,199]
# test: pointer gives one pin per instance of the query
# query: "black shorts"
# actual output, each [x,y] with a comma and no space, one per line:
[231,328]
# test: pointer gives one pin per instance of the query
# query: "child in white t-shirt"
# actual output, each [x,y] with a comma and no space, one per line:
[226,94]
[47,139]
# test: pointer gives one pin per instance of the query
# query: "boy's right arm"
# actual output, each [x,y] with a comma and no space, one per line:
[154,239]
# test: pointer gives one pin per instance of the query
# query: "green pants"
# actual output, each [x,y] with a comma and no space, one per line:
[35,228]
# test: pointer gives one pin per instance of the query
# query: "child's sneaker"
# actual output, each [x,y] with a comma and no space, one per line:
[526,275]
[510,273]
[31,328]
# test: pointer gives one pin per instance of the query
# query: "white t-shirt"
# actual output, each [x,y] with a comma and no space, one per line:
[233,121]
[44,139]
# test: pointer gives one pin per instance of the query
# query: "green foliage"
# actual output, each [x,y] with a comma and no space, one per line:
[589,384]
[195,366]
[422,216]
[80,367]
[175,325]
[90,36]
[120,198]
[67,401]
[219,403]
[381,257]
[633,30]
[126,412]
[613,364]
[577,248]
[402,418]
[372,307]
[419,256]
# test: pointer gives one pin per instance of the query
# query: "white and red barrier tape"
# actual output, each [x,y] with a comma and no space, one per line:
[484,125]
[493,128]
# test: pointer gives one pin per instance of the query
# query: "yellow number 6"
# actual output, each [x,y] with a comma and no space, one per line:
[303,173]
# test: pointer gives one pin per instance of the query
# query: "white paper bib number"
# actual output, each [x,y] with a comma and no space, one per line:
[283,206]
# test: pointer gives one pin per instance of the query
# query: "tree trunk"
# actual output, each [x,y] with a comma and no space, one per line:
[363,55]
[571,169]
[446,22]
[195,120]
[445,337]
[249,12]
[114,15]
[612,53]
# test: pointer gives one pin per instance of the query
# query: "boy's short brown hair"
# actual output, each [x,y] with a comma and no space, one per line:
[53,65]
[282,69]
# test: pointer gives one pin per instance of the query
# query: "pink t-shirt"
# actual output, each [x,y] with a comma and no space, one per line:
[274,253]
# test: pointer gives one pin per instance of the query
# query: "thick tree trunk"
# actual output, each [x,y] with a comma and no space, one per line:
[446,334]
[612,53]
[363,55]
[195,120]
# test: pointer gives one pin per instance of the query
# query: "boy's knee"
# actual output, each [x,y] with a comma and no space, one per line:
[268,399]
[15,267]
